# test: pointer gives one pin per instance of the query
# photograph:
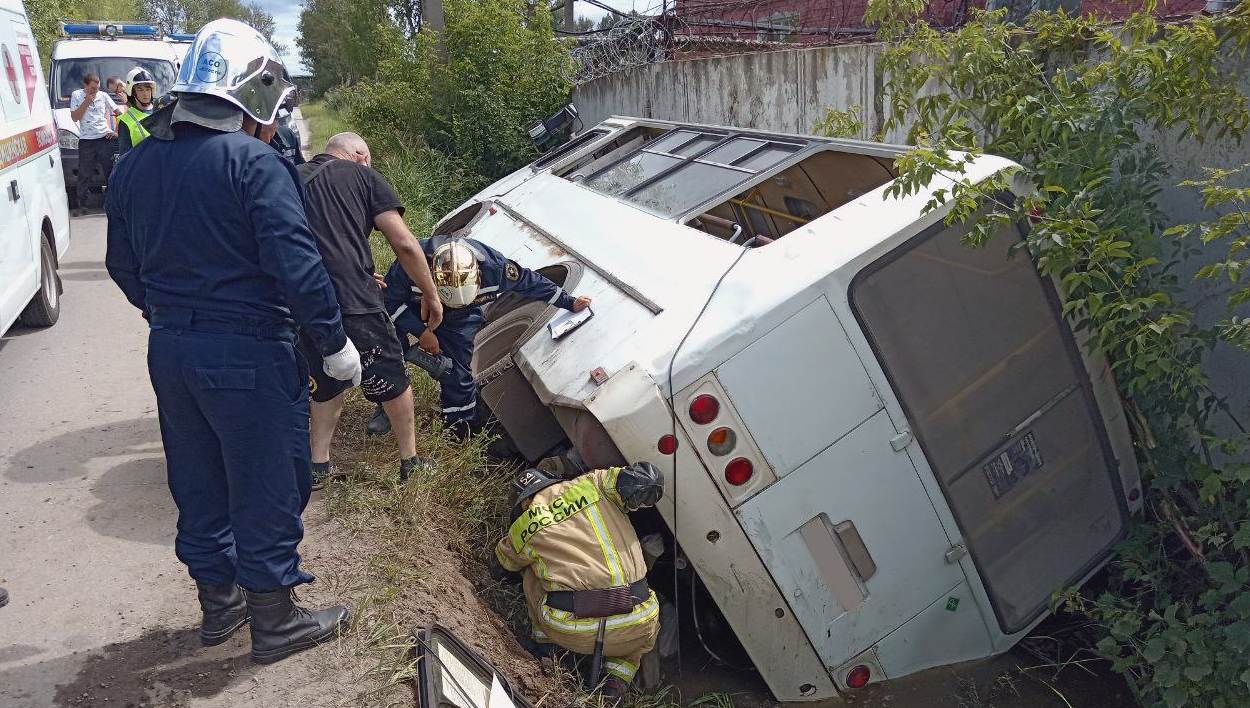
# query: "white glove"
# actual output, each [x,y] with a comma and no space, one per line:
[344,364]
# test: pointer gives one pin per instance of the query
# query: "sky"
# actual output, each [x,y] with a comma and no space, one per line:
[286,18]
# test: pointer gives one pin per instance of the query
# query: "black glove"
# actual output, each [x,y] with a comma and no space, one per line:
[501,574]
[640,485]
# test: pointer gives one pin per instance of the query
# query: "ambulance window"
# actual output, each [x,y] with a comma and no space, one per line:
[67,74]
[572,145]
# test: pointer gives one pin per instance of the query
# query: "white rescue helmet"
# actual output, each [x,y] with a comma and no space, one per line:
[457,275]
[232,61]
[139,76]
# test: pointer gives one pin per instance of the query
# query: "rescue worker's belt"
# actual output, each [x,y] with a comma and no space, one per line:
[600,603]
[181,318]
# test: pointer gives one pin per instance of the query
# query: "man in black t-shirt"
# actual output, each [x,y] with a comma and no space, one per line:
[346,200]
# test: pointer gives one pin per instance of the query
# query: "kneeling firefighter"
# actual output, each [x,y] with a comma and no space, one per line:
[583,570]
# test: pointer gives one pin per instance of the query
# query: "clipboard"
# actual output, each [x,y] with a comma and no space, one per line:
[567,321]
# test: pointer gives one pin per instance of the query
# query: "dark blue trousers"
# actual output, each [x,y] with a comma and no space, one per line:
[458,391]
[234,421]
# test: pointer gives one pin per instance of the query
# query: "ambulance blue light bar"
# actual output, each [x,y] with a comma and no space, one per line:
[109,29]
[176,37]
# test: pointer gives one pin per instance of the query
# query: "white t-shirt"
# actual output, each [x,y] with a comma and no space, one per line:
[95,121]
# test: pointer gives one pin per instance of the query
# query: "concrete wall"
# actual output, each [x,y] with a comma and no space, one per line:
[790,91]
[780,91]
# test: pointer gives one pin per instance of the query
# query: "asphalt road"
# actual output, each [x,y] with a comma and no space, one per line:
[101,613]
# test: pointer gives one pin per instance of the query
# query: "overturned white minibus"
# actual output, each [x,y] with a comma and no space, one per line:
[884,450]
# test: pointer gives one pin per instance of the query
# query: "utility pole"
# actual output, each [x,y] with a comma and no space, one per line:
[432,14]
[569,17]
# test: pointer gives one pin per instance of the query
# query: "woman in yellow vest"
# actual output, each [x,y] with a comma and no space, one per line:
[141,87]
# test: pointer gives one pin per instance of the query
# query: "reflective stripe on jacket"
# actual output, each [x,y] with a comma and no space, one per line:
[576,536]
[133,120]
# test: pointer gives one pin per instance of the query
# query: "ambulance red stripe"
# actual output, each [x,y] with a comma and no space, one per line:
[19,147]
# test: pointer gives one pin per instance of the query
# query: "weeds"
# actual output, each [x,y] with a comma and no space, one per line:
[322,123]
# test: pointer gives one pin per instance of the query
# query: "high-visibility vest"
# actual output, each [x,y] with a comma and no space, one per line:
[132,119]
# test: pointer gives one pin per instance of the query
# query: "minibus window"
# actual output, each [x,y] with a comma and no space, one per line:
[673,173]
[631,171]
[572,145]
[772,207]
[995,392]
[624,144]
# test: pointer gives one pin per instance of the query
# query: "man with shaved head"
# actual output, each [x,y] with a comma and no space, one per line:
[346,200]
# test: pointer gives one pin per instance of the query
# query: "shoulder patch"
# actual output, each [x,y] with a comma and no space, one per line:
[511,271]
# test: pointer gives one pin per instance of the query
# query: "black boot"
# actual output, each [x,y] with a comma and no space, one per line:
[224,612]
[281,628]
[413,465]
[379,424]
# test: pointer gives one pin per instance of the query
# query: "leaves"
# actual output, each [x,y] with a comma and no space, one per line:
[1066,97]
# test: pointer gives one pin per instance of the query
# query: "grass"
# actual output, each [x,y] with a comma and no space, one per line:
[323,122]
[425,543]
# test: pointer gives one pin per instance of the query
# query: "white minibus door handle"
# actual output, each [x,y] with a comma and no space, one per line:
[14,194]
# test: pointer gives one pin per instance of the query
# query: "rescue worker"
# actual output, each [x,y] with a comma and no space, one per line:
[582,566]
[468,274]
[207,238]
[141,87]
[284,140]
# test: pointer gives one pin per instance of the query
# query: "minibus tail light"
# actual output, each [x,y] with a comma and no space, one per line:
[667,445]
[858,677]
[739,471]
[721,442]
[704,409]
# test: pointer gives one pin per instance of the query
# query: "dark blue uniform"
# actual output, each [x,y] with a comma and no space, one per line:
[461,324]
[207,237]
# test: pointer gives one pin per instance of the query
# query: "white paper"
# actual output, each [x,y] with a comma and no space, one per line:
[567,321]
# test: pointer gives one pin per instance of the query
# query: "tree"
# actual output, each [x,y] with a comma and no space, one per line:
[191,15]
[46,15]
[1069,99]
[342,40]
[472,99]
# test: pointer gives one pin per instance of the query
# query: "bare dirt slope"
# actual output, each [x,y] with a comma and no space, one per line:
[102,613]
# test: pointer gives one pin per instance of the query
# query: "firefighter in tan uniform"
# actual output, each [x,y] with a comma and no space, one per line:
[584,574]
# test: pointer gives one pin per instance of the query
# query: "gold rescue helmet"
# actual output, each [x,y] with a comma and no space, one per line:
[457,275]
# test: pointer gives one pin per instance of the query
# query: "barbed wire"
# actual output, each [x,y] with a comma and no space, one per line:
[664,29]
[658,30]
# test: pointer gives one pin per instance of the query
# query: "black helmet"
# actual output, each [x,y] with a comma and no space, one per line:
[530,482]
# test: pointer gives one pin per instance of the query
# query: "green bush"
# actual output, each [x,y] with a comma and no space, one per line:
[470,92]
[1070,99]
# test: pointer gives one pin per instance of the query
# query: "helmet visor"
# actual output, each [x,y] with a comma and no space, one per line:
[455,266]
[241,67]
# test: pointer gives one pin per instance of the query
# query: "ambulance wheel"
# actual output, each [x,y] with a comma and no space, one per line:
[45,308]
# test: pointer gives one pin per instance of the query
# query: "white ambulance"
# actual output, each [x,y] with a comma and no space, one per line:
[884,450]
[106,49]
[34,218]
